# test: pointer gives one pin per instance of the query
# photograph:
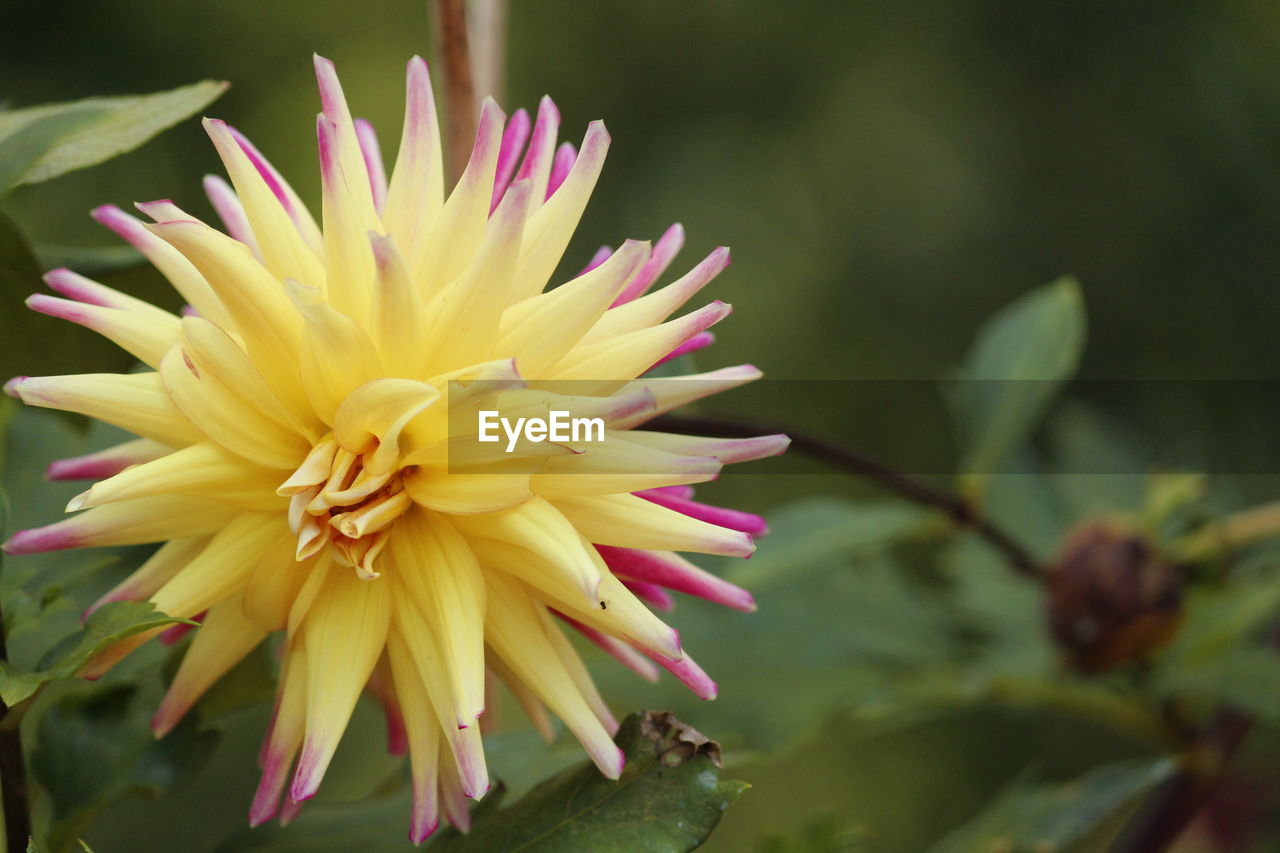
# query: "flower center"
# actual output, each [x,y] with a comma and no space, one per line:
[338,500]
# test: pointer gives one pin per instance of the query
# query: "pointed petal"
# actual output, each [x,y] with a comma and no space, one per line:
[416,192]
[549,229]
[136,402]
[348,622]
[201,470]
[442,576]
[628,521]
[278,220]
[674,572]
[132,522]
[223,640]
[106,463]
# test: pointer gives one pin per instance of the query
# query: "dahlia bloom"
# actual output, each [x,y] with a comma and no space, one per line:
[303,448]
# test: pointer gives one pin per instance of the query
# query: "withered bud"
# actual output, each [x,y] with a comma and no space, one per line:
[1112,598]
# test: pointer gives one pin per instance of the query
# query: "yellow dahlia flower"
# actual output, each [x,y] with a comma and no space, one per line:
[307,447]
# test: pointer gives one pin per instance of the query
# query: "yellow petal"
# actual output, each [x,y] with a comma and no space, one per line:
[201,470]
[539,331]
[284,248]
[538,527]
[335,355]
[371,418]
[166,562]
[131,522]
[652,309]
[441,575]
[255,300]
[398,318]
[223,567]
[226,418]
[454,235]
[415,195]
[181,273]
[549,229]
[423,734]
[465,494]
[622,615]
[136,402]
[465,328]
[213,351]
[142,335]
[672,393]
[344,633]
[516,631]
[628,521]
[288,722]
[222,640]
[275,584]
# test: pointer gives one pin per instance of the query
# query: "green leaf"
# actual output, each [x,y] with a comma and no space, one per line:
[1244,679]
[112,622]
[808,534]
[22,149]
[1220,655]
[96,129]
[1058,817]
[1018,363]
[95,746]
[669,799]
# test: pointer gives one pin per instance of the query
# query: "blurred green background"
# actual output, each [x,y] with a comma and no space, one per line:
[888,174]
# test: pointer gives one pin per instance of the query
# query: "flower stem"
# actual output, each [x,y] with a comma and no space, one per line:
[449,24]
[13,774]
[955,508]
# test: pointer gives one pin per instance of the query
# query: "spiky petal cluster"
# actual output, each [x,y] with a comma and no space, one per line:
[297,456]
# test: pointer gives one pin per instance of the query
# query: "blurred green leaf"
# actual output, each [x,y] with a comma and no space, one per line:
[808,534]
[110,623]
[824,833]
[1219,655]
[1017,364]
[1058,817]
[1004,610]
[95,745]
[1244,679]
[669,799]
[22,148]
[97,129]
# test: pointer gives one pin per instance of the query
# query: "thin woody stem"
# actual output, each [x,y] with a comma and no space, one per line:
[449,19]
[910,488]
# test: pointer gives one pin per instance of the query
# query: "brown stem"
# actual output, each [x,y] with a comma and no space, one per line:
[914,490]
[1159,825]
[13,774]
[450,28]
[488,21]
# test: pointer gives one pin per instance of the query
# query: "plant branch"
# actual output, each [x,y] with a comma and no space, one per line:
[955,508]
[13,774]
[449,25]
[1203,766]
[1158,827]
[488,22]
